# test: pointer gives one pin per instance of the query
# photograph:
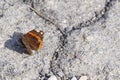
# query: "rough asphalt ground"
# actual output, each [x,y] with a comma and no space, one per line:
[89,49]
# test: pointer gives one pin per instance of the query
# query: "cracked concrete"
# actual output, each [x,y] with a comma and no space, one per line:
[89,47]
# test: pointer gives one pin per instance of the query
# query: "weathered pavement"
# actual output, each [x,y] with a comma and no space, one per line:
[90,45]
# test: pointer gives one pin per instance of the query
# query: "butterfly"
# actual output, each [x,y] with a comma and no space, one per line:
[32,40]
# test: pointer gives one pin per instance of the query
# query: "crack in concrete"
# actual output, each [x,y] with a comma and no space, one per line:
[102,14]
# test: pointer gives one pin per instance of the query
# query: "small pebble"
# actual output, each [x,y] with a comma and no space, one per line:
[74,78]
[83,78]
[53,78]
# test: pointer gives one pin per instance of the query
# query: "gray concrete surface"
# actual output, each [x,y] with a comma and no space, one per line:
[88,49]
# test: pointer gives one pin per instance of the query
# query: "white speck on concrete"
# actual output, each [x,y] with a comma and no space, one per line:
[53,78]
[51,4]
[74,78]
[89,38]
[1,42]
[83,78]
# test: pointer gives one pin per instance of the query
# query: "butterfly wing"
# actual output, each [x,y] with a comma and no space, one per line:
[26,44]
[34,40]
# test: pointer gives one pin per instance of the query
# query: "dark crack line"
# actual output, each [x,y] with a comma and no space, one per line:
[63,38]
[102,14]
[93,20]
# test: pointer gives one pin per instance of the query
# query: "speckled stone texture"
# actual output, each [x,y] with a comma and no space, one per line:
[88,49]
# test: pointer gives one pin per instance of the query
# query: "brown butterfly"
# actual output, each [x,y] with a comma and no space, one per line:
[32,40]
